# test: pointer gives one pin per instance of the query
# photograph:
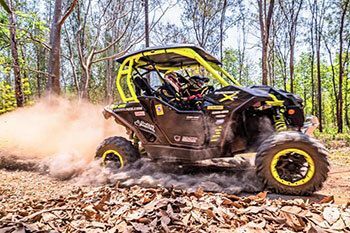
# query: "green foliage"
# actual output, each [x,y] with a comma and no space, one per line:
[27,91]
[239,69]
[7,98]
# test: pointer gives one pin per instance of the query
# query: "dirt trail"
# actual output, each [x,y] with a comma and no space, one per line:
[32,199]
[23,174]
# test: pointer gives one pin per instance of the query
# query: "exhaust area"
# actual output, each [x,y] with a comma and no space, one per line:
[58,137]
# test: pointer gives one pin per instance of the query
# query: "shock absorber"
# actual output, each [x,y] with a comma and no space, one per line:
[279,121]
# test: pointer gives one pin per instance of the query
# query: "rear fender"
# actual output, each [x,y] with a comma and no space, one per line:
[108,113]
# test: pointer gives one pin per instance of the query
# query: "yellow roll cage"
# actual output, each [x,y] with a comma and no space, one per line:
[126,69]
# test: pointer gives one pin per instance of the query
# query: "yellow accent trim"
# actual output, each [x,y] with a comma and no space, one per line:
[192,54]
[126,69]
[120,106]
[115,153]
[310,173]
[275,102]
[215,107]
[221,70]
[229,97]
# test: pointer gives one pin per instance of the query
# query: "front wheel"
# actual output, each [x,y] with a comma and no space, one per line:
[116,152]
[292,163]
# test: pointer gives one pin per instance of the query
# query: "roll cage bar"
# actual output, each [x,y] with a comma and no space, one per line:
[132,62]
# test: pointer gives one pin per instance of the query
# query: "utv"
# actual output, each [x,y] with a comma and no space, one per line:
[172,117]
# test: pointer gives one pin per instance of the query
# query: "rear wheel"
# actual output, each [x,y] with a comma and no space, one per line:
[292,163]
[116,152]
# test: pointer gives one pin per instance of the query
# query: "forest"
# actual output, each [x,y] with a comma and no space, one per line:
[187,154]
[68,47]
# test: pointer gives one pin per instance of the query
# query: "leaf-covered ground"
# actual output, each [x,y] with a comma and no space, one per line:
[31,202]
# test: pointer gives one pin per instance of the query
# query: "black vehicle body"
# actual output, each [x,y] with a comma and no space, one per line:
[228,119]
[222,129]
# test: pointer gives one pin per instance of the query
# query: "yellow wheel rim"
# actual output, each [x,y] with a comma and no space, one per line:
[309,174]
[114,153]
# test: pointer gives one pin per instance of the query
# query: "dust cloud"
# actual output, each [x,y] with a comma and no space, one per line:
[59,137]
[240,177]
[59,133]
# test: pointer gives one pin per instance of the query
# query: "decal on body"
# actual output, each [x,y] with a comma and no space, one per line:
[215,107]
[192,118]
[189,139]
[159,109]
[128,109]
[145,125]
[140,113]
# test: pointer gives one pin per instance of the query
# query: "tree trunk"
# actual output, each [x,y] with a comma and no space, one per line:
[312,64]
[146,24]
[84,89]
[319,83]
[5,6]
[53,84]
[291,67]
[264,65]
[38,77]
[335,91]
[222,22]
[312,84]
[110,82]
[341,70]
[347,119]
[285,75]
[265,23]
[14,52]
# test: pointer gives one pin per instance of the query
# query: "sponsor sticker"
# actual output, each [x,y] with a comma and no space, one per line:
[220,116]
[219,112]
[145,125]
[192,118]
[219,122]
[215,107]
[140,113]
[189,139]
[159,109]
[129,109]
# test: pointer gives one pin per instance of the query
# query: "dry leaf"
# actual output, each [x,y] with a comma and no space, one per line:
[140,227]
[327,199]
[292,209]
[186,219]
[199,192]
[331,214]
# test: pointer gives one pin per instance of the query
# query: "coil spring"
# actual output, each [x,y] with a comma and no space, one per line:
[280,124]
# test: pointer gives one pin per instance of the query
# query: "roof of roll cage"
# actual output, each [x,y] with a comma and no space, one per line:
[168,58]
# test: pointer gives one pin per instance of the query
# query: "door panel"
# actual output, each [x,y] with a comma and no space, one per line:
[180,127]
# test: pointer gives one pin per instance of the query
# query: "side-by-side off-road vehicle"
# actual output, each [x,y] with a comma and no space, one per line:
[179,105]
